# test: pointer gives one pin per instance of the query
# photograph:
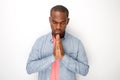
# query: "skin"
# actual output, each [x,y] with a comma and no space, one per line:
[58,21]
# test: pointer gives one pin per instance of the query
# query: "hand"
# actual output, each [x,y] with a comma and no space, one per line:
[58,49]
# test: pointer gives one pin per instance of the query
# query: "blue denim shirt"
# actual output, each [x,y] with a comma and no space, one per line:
[41,58]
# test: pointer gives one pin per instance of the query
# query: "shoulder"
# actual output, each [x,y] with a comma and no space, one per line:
[73,38]
[42,38]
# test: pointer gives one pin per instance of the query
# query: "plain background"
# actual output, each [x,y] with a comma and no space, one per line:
[95,22]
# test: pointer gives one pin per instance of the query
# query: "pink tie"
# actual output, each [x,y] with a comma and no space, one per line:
[55,67]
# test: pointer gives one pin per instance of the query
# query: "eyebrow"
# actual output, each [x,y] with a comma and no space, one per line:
[53,20]
[56,21]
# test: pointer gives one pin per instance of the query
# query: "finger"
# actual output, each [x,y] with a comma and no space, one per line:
[57,37]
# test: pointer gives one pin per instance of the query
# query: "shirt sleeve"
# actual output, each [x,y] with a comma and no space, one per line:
[35,63]
[78,65]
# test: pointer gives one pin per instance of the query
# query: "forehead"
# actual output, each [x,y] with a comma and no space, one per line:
[58,15]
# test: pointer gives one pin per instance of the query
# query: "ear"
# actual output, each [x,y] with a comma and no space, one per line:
[68,20]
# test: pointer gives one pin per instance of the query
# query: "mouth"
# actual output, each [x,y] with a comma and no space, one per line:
[57,31]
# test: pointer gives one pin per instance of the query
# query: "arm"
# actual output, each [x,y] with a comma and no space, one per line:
[78,65]
[35,62]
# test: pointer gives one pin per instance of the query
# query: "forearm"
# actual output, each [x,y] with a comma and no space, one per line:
[75,65]
[39,64]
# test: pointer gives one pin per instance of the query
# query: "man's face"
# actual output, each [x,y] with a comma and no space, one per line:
[58,21]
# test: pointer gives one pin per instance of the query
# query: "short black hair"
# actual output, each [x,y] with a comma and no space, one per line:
[60,8]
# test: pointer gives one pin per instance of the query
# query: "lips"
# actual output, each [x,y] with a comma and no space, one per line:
[58,31]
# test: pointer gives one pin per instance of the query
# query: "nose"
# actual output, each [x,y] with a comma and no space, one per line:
[58,26]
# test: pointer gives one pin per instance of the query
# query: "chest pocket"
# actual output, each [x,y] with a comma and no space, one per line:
[46,50]
[71,52]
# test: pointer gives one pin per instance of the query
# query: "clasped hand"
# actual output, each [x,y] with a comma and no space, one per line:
[58,49]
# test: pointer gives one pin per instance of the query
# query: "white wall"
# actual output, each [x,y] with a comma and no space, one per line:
[95,22]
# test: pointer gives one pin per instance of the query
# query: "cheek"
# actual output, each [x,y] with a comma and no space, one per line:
[52,27]
[63,28]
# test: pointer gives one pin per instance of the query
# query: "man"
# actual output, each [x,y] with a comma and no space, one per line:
[58,55]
